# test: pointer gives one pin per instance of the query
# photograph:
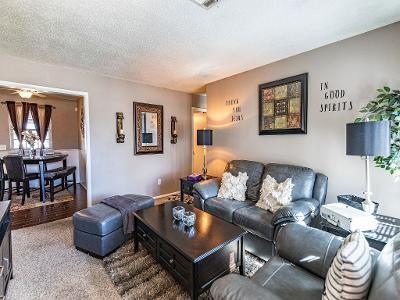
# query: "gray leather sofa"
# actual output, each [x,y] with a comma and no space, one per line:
[298,271]
[309,193]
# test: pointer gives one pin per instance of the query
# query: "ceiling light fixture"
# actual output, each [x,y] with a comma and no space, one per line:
[26,93]
[206,3]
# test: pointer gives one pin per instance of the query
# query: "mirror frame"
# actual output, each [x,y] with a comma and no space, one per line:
[138,108]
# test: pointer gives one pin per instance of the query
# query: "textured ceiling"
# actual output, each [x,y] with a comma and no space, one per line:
[175,43]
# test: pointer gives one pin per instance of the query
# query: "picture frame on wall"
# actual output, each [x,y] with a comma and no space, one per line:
[148,128]
[283,106]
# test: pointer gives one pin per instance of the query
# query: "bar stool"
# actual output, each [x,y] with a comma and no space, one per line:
[62,174]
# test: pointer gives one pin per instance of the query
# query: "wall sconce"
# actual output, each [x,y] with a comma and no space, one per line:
[174,135]
[120,128]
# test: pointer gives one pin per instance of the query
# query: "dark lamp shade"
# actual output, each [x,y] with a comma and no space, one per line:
[204,137]
[368,138]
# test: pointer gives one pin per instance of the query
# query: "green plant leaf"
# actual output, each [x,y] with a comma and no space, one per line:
[386,106]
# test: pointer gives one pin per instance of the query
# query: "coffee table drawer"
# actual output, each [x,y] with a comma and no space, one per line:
[147,237]
[175,262]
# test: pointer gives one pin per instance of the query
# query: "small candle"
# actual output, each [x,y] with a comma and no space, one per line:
[174,132]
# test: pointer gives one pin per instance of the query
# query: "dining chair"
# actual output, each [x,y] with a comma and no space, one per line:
[16,172]
[3,179]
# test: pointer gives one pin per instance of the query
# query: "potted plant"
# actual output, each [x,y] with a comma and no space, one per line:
[386,106]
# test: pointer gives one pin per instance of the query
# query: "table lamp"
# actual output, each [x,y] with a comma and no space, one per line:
[368,139]
[204,138]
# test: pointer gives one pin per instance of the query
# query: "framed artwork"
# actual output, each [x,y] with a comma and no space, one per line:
[148,123]
[283,106]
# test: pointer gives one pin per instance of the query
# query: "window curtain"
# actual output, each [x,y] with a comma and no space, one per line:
[19,118]
[35,117]
[41,118]
[46,120]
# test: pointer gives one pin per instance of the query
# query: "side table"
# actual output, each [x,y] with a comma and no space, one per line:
[388,227]
[187,185]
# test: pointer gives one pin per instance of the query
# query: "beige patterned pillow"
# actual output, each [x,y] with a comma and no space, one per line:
[233,187]
[349,275]
[275,195]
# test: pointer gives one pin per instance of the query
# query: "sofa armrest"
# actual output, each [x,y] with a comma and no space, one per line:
[236,287]
[296,211]
[320,187]
[310,248]
[207,188]
[204,190]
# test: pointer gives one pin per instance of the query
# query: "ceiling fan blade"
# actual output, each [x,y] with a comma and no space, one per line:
[39,95]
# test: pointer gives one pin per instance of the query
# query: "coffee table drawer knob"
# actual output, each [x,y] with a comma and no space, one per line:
[171,261]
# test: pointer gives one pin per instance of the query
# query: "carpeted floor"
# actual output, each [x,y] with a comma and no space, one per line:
[47,266]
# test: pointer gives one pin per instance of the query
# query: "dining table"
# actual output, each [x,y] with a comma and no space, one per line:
[42,162]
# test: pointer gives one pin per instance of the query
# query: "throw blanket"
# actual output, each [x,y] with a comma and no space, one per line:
[126,207]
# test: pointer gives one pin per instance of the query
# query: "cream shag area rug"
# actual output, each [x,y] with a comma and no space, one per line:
[47,266]
[139,276]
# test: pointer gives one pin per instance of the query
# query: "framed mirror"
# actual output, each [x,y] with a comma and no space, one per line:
[148,122]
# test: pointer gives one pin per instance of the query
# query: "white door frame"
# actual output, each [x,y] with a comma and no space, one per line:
[85,96]
[194,110]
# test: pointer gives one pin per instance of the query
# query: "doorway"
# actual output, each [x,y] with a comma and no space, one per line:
[199,121]
[68,135]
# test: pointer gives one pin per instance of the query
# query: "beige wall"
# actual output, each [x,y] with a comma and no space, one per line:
[115,170]
[358,65]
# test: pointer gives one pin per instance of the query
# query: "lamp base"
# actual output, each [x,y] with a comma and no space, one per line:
[204,175]
[368,207]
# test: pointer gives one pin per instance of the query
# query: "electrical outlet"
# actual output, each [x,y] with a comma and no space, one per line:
[3,147]
[159,181]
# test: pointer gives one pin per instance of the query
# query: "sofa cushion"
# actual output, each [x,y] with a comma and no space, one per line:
[254,170]
[303,178]
[274,195]
[233,187]
[288,281]
[316,251]
[256,220]
[350,274]
[99,219]
[386,282]
[224,208]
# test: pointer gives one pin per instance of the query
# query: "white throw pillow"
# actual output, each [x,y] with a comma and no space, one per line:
[233,187]
[275,195]
[349,275]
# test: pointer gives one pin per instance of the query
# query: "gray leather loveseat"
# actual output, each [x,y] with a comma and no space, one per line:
[298,271]
[309,193]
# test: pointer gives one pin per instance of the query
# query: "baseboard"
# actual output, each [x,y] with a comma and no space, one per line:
[166,195]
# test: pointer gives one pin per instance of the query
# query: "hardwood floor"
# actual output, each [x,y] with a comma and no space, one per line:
[49,213]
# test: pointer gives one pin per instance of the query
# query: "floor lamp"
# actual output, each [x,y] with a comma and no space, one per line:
[204,138]
[368,139]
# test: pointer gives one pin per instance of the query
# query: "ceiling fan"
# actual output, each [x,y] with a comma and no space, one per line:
[27,93]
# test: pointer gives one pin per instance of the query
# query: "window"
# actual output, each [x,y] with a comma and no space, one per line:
[14,143]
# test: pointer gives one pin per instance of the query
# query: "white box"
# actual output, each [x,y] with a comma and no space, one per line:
[348,218]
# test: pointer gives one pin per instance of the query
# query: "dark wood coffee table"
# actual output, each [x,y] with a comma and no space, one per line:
[195,256]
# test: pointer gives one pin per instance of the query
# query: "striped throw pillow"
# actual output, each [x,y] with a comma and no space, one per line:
[349,276]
